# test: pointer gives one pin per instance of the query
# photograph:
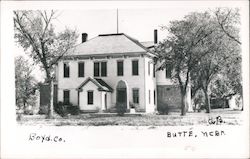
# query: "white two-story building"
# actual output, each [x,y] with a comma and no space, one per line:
[114,68]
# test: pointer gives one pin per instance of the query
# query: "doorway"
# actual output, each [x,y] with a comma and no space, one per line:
[121,93]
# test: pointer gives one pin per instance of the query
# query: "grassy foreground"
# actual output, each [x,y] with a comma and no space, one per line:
[228,117]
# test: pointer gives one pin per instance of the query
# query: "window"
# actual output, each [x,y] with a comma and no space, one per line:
[103,69]
[119,68]
[90,97]
[135,69]
[168,70]
[154,97]
[149,96]
[81,69]
[149,68]
[100,66]
[66,96]
[136,96]
[153,70]
[96,69]
[66,69]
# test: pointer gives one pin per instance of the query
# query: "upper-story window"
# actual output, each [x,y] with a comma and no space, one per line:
[100,69]
[135,67]
[97,69]
[168,70]
[103,69]
[81,69]
[66,69]
[119,68]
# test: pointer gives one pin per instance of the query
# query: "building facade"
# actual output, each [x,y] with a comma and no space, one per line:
[109,69]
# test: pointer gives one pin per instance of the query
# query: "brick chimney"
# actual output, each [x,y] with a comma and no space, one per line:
[155,37]
[84,37]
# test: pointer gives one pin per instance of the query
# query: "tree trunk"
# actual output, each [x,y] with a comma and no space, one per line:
[50,106]
[49,80]
[183,101]
[207,102]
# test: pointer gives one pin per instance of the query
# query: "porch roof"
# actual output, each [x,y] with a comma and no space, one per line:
[102,85]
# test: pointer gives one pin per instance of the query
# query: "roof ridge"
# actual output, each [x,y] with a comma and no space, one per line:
[111,34]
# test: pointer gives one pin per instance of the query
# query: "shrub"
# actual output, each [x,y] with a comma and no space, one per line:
[163,108]
[64,109]
[63,123]
[44,109]
[121,108]
[61,109]
[28,112]
[73,110]
[103,123]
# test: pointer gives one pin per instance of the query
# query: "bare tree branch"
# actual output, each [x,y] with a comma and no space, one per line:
[222,24]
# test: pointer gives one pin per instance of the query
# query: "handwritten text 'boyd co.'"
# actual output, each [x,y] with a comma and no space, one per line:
[45,138]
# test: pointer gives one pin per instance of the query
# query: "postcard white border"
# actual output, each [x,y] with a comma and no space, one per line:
[14,138]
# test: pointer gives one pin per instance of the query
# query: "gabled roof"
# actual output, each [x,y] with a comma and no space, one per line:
[102,86]
[109,44]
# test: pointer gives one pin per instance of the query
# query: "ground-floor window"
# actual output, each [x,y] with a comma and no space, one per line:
[66,96]
[136,95]
[90,97]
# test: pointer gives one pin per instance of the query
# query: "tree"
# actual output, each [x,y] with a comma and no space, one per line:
[182,48]
[26,84]
[228,20]
[228,81]
[225,53]
[35,32]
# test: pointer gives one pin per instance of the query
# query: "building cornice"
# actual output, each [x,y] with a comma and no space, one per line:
[109,55]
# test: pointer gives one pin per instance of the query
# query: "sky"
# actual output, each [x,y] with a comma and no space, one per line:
[135,21]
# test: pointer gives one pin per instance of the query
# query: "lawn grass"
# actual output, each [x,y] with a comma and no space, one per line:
[174,119]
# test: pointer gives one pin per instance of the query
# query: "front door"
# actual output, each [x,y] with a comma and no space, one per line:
[121,95]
